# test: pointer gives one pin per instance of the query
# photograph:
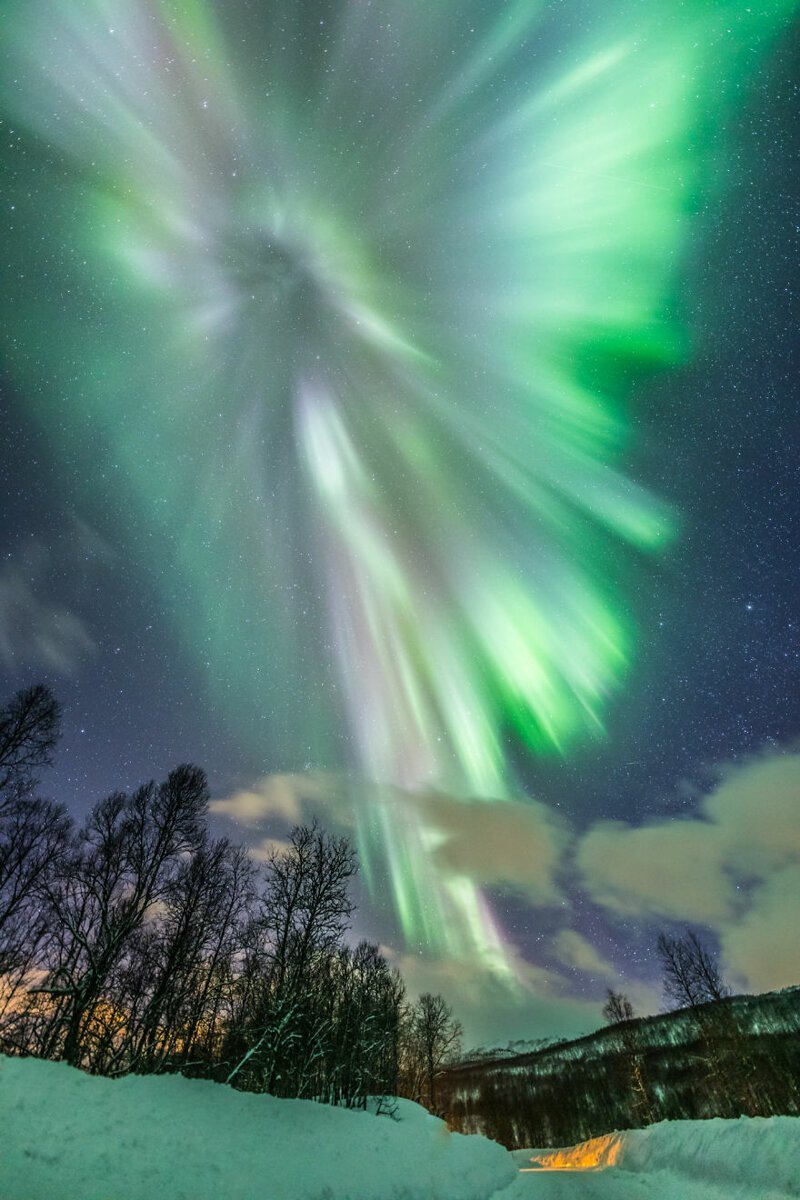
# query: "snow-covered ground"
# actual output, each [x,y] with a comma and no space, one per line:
[750,1159]
[69,1136]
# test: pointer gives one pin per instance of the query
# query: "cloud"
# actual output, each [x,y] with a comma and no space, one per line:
[276,797]
[574,950]
[763,947]
[518,846]
[734,867]
[515,844]
[501,844]
[263,850]
[37,630]
[669,869]
[757,809]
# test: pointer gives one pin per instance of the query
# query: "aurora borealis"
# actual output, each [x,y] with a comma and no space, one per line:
[355,303]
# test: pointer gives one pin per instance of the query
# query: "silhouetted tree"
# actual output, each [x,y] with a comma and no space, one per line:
[691,972]
[434,1039]
[29,730]
[368,1000]
[617,1007]
[181,961]
[127,856]
[33,835]
[618,1010]
[305,910]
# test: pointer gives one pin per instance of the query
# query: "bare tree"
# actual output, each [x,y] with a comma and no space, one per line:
[140,944]
[170,985]
[690,970]
[692,978]
[33,836]
[305,911]
[307,907]
[364,1028]
[617,1008]
[435,1036]
[29,730]
[126,859]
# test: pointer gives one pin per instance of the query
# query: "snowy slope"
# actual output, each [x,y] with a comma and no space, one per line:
[72,1136]
[69,1136]
[754,1158]
[748,1157]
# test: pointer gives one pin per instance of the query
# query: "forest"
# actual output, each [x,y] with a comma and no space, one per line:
[139,943]
[725,1057]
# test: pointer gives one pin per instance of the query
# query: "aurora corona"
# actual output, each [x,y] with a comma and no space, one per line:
[352,295]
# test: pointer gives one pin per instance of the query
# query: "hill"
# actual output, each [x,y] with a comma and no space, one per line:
[738,1056]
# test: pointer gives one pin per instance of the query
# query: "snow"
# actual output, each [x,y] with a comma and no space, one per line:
[743,1156]
[73,1136]
[754,1158]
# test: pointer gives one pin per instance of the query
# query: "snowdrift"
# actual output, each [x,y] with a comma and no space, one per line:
[74,1136]
[754,1157]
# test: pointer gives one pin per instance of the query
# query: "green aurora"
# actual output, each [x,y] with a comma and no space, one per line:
[355,298]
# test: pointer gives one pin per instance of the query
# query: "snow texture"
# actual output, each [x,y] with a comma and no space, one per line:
[73,1136]
[751,1157]
[69,1136]
[754,1158]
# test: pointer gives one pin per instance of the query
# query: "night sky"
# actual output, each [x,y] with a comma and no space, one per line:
[400,421]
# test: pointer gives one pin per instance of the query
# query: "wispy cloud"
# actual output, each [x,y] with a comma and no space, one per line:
[40,625]
[289,798]
[574,950]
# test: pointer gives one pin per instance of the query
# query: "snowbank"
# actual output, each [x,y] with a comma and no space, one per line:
[74,1136]
[753,1157]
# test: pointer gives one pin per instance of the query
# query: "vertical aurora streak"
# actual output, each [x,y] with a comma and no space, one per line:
[353,295]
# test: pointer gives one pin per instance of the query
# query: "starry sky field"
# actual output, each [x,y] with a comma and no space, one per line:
[400,421]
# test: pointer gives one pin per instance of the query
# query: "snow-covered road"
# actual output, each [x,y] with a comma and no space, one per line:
[613,1184]
[609,1184]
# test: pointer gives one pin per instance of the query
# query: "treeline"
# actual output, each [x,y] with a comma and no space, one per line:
[738,1055]
[140,943]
